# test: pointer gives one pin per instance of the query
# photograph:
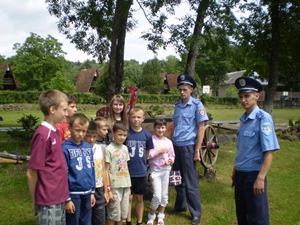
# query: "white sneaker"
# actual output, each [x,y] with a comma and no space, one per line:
[160,219]
[151,218]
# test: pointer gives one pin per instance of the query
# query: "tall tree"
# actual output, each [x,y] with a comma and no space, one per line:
[38,61]
[269,39]
[98,28]
[186,35]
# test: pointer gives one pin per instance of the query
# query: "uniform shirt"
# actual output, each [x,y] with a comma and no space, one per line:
[157,162]
[117,156]
[186,119]
[81,173]
[47,159]
[138,143]
[256,135]
[99,162]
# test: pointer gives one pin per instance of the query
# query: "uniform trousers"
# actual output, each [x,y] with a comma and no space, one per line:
[250,209]
[188,192]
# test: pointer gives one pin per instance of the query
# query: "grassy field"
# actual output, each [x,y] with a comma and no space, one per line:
[217,196]
[219,112]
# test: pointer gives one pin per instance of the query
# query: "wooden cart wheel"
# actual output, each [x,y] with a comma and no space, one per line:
[209,151]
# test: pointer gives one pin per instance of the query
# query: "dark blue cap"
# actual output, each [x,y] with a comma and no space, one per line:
[186,79]
[248,84]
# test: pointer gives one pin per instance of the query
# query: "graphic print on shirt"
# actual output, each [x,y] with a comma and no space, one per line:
[136,148]
[120,160]
[80,155]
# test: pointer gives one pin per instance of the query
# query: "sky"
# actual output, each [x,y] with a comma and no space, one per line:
[18,18]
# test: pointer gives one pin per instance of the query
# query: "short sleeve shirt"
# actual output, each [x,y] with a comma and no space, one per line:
[186,118]
[256,136]
[138,143]
[99,150]
[117,156]
[48,160]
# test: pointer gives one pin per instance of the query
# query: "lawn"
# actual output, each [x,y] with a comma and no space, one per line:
[219,112]
[217,196]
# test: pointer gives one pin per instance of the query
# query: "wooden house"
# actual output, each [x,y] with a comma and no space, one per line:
[86,80]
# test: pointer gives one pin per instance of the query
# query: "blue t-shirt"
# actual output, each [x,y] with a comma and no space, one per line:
[80,163]
[138,143]
[256,136]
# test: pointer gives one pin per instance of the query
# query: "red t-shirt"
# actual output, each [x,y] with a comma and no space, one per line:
[63,130]
[48,160]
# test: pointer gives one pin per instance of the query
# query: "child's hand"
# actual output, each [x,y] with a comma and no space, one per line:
[169,162]
[108,196]
[93,200]
[70,207]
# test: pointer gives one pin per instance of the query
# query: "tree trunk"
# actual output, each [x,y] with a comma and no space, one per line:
[274,59]
[116,62]
[195,42]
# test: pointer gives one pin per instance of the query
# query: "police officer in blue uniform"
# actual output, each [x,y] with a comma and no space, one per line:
[256,142]
[189,119]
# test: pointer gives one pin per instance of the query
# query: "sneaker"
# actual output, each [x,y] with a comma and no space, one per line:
[150,222]
[160,222]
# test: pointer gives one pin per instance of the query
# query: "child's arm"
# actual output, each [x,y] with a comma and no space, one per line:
[32,177]
[152,153]
[106,183]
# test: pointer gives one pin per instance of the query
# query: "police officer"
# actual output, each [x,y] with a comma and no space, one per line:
[189,119]
[256,142]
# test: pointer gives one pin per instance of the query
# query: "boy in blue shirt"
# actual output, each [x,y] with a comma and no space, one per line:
[256,142]
[81,174]
[139,142]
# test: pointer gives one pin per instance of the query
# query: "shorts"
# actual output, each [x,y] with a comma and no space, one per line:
[51,215]
[117,209]
[139,185]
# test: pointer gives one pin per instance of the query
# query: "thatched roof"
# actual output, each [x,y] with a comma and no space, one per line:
[171,79]
[86,80]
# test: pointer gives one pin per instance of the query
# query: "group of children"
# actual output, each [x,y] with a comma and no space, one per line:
[88,171]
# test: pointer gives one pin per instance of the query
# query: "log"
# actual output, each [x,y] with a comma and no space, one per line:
[10,161]
[13,156]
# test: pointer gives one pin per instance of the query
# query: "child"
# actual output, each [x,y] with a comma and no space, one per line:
[102,191]
[139,142]
[116,163]
[63,126]
[160,160]
[47,171]
[81,173]
[117,111]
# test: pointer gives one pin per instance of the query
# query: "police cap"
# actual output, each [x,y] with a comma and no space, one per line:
[247,84]
[186,79]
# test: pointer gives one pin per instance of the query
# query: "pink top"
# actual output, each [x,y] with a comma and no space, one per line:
[158,161]
[48,160]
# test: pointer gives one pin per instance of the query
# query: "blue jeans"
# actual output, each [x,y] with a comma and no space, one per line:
[83,210]
[188,192]
[250,209]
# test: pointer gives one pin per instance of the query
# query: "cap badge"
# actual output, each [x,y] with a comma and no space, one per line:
[182,77]
[242,82]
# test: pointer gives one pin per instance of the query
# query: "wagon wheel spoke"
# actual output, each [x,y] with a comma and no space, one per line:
[208,152]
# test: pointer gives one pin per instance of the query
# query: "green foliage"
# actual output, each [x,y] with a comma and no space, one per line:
[172,65]
[230,91]
[132,73]
[61,83]
[29,124]
[102,84]
[38,60]
[151,81]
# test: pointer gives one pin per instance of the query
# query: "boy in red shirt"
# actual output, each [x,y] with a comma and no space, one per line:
[47,169]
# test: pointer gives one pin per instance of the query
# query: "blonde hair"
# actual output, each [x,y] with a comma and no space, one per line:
[80,117]
[101,122]
[136,109]
[124,117]
[51,98]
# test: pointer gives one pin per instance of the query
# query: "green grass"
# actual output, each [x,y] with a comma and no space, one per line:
[219,112]
[217,196]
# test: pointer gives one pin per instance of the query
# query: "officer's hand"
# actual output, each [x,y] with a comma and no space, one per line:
[197,156]
[93,200]
[259,186]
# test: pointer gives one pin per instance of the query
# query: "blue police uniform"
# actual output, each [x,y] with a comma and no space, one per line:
[255,137]
[186,118]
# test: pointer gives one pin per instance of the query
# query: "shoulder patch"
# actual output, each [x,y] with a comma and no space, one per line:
[267,128]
